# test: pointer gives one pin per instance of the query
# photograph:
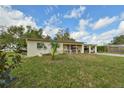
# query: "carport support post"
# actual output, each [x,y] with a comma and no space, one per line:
[96,49]
[89,49]
[82,51]
[76,50]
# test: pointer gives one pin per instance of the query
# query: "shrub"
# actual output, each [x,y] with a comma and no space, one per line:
[102,48]
[5,69]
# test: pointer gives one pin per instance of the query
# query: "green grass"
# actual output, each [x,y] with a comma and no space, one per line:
[70,71]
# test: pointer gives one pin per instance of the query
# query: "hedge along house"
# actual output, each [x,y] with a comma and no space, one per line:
[39,47]
[115,48]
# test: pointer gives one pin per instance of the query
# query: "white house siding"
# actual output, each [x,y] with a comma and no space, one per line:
[32,49]
[60,49]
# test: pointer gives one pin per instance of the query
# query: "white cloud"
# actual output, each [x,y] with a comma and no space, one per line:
[108,36]
[50,8]
[51,26]
[79,35]
[121,28]
[9,17]
[82,34]
[50,31]
[103,22]
[122,16]
[82,24]
[99,39]
[103,38]
[53,21]
[81,30]
[75,13]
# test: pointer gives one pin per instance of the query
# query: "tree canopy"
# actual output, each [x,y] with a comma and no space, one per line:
[14,37]
[118,40]
[63,35]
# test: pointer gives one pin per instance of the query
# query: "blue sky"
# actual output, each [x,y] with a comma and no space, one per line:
[91,24]
[42,13]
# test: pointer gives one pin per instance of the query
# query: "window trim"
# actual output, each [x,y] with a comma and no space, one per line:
[41,45]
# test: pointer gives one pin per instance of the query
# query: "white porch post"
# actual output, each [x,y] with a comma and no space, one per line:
[95,48]
[89,49]
[82,50]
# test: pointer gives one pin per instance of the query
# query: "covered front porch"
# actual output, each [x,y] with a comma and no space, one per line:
[90,48]
[73,48]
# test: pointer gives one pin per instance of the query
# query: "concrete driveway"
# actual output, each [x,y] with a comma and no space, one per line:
[110,54]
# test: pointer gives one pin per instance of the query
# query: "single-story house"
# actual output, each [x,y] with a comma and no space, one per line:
[35,47]
[115,48]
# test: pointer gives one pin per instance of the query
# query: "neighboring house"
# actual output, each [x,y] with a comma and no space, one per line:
[38,47]
[115,48]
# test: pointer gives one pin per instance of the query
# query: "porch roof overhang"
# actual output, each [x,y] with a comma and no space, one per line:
[90,44]
[67,42]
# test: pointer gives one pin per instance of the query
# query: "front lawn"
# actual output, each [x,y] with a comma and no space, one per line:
[70,71]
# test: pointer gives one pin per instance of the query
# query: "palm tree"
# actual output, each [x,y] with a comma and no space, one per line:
[54,46]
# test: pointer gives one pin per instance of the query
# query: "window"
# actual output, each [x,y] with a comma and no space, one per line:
[41,45]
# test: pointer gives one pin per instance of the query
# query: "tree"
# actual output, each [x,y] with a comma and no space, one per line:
[6,39]
[5,68]
[58,36]
[16,31]
[63,35]
[14,37]
[47,37]
[40,32]
[2,46]
[66,36]
[54,46]
[33,32]
[11,36]
[28,28]
[118,40]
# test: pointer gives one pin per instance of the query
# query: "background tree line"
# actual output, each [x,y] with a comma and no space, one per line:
[118,40]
